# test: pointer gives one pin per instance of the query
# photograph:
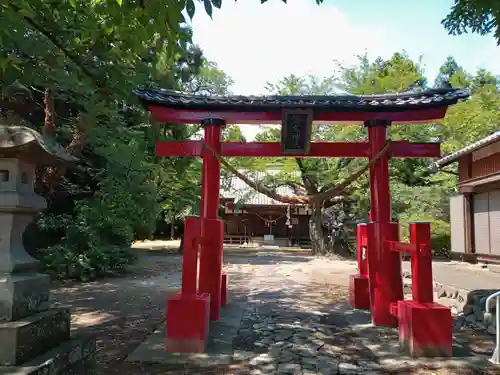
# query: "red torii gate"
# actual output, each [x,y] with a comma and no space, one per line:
[189,311]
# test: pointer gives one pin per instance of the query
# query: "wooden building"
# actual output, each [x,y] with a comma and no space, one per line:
[475,210]
[252,217]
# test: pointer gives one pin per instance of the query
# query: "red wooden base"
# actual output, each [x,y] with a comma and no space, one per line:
[425,329]
[188,322]
[223,289]
[359,292]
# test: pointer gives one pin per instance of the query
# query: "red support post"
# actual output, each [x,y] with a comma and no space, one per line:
[212,229]
[359,295]
[383,297]
[203,191]
[362,244]
[224,289]
[188,323]
[190,256]
[386,282]
[425,327]
[421,263]
[188,312]
[211,279]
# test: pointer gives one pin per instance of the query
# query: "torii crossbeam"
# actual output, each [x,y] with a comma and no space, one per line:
[398,149]
[187,312]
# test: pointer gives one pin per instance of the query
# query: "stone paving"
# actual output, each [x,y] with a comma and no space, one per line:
[298,322]
[285,329]
[295,320]
[293,326]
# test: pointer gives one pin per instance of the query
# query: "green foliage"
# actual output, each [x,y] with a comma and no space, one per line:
[99,232]
[233,133]
[416,195]
[90,55]
[210,80]
[440,234]
[478,16]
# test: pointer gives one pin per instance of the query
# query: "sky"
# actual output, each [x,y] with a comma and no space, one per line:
[258,43]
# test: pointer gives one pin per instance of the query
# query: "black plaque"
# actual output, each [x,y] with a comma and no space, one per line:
[296,131]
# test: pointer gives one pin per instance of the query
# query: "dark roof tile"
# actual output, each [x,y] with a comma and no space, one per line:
[345,102]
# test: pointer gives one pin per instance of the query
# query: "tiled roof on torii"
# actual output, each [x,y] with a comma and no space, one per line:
[390,102]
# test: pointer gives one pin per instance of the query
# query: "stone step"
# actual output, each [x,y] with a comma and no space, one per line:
[73,357]
[24,339]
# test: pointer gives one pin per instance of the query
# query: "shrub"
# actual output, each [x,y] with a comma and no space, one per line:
[98,233]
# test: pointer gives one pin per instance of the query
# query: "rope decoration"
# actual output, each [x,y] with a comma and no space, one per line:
[301,199]
[269,221]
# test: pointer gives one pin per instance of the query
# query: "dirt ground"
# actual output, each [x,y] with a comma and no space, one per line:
[121,312]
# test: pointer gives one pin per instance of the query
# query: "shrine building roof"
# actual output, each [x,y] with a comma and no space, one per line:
[234,188]
[390,102]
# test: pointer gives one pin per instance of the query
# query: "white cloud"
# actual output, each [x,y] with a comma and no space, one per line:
[256,43]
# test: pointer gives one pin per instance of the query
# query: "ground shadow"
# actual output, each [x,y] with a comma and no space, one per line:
[350,334]
[121,312]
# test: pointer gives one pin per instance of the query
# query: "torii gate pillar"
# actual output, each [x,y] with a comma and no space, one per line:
[386,283]
[212,229]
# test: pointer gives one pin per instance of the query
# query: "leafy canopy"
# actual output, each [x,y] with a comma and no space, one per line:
[87,56]
[479,16]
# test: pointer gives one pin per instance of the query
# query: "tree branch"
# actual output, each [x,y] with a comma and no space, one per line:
[331,193]
[49,125]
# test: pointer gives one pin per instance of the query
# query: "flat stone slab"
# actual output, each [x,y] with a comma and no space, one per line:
[75,356]
[219,347]
[24,339]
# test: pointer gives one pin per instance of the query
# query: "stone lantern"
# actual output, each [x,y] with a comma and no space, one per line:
[34,338]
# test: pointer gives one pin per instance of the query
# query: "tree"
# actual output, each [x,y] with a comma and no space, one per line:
[451,73]
[397,74]
[154,22]
[68,70]
[473,119]
[209,81]
[478,16]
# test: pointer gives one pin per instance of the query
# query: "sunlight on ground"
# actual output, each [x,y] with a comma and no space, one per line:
[90,319]
[161,245]
[156,245]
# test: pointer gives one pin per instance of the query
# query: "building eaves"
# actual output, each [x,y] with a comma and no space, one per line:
[451,158]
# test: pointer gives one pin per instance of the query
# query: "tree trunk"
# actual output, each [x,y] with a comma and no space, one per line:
[322,241]
[339,247]
[172,228]
[316,231]
[181,245]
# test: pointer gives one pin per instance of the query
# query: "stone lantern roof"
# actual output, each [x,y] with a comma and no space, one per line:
[30,146]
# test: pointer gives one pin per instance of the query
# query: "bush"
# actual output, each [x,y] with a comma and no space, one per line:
[440,235]
[97,235]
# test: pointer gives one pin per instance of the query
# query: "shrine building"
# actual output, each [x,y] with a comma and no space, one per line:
[253,218]
[475,209]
